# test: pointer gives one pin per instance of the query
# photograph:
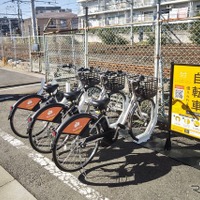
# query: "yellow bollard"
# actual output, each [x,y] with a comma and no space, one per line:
[4,60]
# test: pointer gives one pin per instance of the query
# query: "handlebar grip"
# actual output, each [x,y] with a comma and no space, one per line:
[82,69]
[66,66]
[141,78]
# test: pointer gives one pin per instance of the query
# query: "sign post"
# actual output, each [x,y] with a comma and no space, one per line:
[185,100]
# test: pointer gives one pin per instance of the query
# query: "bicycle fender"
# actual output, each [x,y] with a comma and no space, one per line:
[29,102]
[50,112]
[76,124]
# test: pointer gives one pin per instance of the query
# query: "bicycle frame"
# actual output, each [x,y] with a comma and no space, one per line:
[131,108]
[77,138]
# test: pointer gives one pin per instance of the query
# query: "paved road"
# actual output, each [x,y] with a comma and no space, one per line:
[123,171]
[10,78]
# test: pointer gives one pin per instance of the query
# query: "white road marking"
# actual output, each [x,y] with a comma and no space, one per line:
[22,86]
[46,163]
[6,98]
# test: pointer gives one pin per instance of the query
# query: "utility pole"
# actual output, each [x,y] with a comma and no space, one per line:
[33,20]
[10,27]
[21,23]
[19,16]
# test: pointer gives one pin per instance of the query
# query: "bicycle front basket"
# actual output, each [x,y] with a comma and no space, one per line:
[89,78]
[146,88]
[114,83]
[150,87]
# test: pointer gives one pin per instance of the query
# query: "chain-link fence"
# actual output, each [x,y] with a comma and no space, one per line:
[111,48]
[15,48]
[180,43]
[130,48]
[63,49]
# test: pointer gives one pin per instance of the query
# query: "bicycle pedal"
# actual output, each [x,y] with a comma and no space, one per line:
[121,126]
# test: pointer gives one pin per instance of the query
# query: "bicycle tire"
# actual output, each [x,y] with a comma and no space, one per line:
[93,93]
[115,106]
[68,154]
[140,122]
[41,130]
[19,116]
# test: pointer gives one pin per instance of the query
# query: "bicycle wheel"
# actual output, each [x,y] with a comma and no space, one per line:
[19,122]
[115,106]
[91,93]
[68,153]
[94,92]
[41,136]
[142,118]
[41,129]
[21,111]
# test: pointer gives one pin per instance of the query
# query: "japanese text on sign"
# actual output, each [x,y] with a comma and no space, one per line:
[185,100]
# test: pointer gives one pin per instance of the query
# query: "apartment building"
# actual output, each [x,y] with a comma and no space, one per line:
[48,9]
[9,26]
[53,19]
[119,12]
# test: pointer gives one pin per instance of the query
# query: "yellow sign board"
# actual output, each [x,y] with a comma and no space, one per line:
[185,100]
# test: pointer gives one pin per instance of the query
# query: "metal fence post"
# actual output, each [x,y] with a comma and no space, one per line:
[132,36]
[30,56]
[73,49]
[2,49]
[14,46]
[157,41]
[157,55]
[86,37]
[46,58]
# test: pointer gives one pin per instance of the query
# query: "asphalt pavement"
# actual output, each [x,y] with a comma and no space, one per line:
[10,78]
[123,171]
[10,188]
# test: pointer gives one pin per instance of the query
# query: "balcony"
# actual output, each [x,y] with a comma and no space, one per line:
[144,3]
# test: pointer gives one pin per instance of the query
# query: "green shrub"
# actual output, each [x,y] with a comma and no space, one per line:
[108,36]
[195,32]
[164,39]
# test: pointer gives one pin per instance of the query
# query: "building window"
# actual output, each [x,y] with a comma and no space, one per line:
[148,16]
[197,10]
[165,14]
[110,20]
[121,19]
[52,24]
[63,23]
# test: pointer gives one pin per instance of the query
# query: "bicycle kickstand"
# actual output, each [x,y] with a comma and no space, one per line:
[133,136]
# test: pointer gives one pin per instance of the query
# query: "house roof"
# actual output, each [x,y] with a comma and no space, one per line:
[56,15]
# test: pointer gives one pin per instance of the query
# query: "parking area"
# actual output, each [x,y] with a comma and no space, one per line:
[124,170]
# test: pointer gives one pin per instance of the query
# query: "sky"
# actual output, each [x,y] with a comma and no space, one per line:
[9,8]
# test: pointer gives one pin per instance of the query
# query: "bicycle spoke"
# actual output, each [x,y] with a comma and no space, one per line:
[73,154]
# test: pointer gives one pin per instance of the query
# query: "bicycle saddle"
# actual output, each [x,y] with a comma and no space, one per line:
[100,104]
[50,88]
[72,96]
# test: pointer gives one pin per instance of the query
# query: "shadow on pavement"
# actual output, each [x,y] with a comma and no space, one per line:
[183,149]
[11,97]
[132,166]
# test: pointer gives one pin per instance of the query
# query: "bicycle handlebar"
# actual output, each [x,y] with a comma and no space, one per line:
[112,74]
[67,66]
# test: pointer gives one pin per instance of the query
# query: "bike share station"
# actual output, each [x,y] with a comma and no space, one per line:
[184,116]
